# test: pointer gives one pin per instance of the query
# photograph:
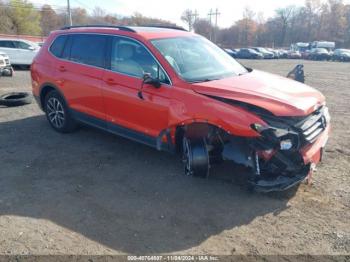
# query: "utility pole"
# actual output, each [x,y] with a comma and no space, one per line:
[216,17]
[216,24]
[69,13]
[194,16]
[216,14]
[210,15]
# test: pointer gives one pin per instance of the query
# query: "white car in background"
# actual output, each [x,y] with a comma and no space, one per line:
[20,52]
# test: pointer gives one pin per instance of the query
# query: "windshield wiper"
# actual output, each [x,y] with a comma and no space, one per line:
[204,80]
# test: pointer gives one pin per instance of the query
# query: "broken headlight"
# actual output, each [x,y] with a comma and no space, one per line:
[286,144]
[281,138]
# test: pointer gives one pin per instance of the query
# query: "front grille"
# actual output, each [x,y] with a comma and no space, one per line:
[7,61]
[313,125]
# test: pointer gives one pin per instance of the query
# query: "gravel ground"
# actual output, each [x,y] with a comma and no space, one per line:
[93,193]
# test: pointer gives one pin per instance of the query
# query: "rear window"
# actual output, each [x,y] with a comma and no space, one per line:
[58,45]
[88,49]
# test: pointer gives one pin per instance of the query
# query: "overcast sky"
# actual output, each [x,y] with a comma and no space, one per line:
[231,10]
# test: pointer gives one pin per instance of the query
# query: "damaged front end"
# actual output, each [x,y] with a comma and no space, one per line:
[279,157]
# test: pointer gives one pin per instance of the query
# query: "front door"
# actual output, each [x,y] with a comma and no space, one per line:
[130,60]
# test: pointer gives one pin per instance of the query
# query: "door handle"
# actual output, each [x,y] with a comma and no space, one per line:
[110,81]
[62,68]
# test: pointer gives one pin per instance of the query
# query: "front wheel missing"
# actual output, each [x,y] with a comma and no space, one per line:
[195,157]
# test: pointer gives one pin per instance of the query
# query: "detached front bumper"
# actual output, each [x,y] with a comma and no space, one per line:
[313,153]
[311,156]
[281,183]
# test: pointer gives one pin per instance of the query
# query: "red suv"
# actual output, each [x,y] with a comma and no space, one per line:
[178,92]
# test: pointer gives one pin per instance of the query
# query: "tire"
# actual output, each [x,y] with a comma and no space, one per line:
[15,99]
[58,114]
[195,157]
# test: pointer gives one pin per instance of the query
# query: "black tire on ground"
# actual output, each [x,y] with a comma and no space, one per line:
[15,99]
[195,157]
[58,113]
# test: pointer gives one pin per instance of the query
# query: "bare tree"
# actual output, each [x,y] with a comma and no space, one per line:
[203,27]
[80,16]
[188,17]
[98,15]
[49,20]
[284,16]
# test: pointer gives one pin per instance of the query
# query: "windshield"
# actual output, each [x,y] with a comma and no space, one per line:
[196,59]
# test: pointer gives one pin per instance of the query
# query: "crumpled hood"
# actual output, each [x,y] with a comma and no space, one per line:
[281,96]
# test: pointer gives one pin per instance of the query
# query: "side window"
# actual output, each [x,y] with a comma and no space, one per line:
[88,49]
[131,58]
[7,44]
[21,45]
[67,46]
[57,46]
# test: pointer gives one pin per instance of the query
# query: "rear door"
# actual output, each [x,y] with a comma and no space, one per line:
[78,74]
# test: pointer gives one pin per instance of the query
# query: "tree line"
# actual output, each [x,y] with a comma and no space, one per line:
[315,20]
[23,18]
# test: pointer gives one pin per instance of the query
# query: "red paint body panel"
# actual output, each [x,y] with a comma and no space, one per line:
[279,95]
[312,153]
[124,107]
[81,86]
[112,97]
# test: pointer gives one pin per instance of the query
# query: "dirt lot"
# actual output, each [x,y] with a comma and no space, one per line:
[93,193]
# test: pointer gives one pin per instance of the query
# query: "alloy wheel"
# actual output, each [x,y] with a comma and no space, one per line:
[55,112]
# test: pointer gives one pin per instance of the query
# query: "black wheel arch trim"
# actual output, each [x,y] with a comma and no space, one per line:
[41,89]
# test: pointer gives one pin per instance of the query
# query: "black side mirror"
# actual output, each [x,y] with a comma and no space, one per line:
[149,80]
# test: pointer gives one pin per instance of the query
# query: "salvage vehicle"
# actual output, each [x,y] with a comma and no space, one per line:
[342,55]
[266,54]
[276,53]
[294,54]
[20,51]
[249,53]
[319,54]
[5,65]
[231,52]
[178,92]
